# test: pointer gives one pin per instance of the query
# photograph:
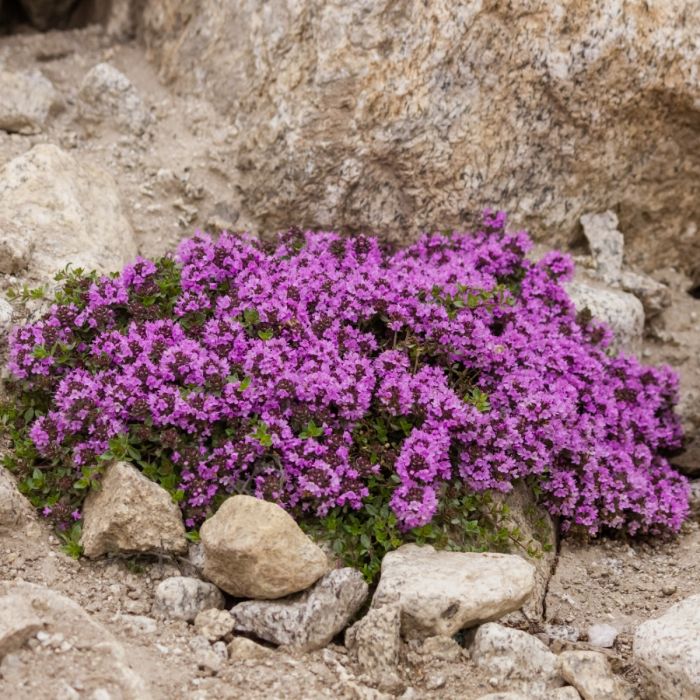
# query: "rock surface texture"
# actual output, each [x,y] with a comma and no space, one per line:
[106,94]
[441,593]
[55,210]
[131,513]
[183,598]
[254,549]
[667,650]
[15,509]
[307,621]
[400,116]
[589,672]
[26,101]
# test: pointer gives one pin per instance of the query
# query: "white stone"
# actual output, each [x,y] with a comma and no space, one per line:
[667,651]
[254,549]
[55,210]
[182,598]
[622,312]
[516,657]
[442,592]
[27,99]
[602,635]
[130,513]
[606,244]
[589,672]
[106,94]
[214,624]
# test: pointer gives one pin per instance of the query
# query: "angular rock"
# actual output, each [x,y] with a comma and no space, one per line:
[106,94]
[27,99]
[589,672]
[622,312]
[374,643]
[244,648]
[441,593]
[182,598]
[516,657]
[48,14]
[309,620]
[667,652]
[55,210]
[18,622]
[81,635]
[254,549]
[606,244]
[15,509]
[214,624]
[380,116]
[655,297]
[602,635]
[130,513]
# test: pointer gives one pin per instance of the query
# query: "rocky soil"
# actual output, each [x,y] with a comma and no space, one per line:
[165,157]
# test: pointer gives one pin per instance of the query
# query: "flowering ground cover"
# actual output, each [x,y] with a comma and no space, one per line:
[359,387]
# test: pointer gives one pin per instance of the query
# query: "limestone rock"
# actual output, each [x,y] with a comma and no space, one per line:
[441,593]
[244,648]
[589,672]
[55,210]
[254,549]
[214,624]
[309,620]
[18,622]
[606,244]
[130,513]
[397,117]
[515,657]
[60,618]
[182,598]
[655,297]
[27,99]
[107,94]
[374,643]
[622,312]
[667,651]
[47,14]
[15,509]
[602,635]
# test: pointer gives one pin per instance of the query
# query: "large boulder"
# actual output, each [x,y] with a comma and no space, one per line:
[309,620]
[398,116]
[130,513]
[441,593]
[55,210]
[27,101]
[254,549]
[667,652]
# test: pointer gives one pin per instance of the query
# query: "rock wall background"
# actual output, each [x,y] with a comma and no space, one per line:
[401,115]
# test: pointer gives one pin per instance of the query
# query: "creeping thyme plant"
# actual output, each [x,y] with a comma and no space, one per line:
[378,396]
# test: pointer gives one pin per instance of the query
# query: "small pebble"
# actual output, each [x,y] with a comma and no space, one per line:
[669,590]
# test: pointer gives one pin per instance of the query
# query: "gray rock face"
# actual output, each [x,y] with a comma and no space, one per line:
[27,99]
[622,312]
[667,651]
[516,658]
[130,513]
[382,116]
[374,643]
[307,621]
[606,243]
[106,94]
[55,210]
[589,672]
[441,593]
[254,549]
[182,598]
[27,609]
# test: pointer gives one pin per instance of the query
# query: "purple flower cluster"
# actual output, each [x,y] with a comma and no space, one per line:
[257,368]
